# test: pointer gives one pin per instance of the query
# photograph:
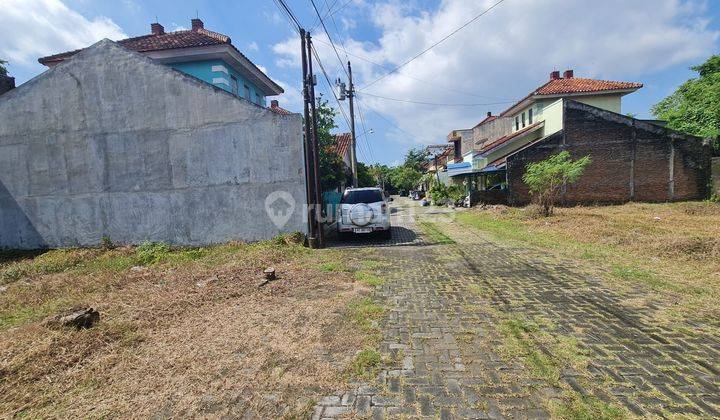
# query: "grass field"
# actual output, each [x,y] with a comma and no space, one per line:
[672,248]
[183,332]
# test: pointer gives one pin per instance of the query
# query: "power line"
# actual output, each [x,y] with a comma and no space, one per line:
[322,22]
[476,17]
[435,103]
[392,123]
[365,130]
[330,12]
[286,9]
[327,79]
[407,75]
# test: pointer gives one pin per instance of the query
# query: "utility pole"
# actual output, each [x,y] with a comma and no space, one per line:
[307,145]
[350,93]
[319,230]
[353,149]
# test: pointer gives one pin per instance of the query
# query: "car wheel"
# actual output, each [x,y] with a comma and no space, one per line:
[387,234]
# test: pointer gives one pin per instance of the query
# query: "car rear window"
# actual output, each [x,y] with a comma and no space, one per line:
[362,196]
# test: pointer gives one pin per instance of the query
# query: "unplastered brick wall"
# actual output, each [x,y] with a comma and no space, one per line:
[632,160]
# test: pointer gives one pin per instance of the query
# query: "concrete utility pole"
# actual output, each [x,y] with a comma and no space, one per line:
[320,233]
[349,92]
[353,150]
[307,144]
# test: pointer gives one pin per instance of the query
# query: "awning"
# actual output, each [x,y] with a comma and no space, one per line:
[462,168]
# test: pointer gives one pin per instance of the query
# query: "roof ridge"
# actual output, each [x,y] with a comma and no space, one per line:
[216,35]
[596,80]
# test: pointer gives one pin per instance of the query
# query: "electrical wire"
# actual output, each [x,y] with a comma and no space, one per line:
[393,124]
[322,22]
[286,9]
[463,26]
[435,103]
[429,83]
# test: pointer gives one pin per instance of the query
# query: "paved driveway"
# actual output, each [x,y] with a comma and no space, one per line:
[449,311]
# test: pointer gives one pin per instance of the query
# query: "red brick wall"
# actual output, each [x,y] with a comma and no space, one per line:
[630,160]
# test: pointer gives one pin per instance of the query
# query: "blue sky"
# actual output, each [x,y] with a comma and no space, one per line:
[499,58]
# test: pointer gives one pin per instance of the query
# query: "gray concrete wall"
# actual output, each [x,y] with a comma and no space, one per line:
[491,131]
[113,144]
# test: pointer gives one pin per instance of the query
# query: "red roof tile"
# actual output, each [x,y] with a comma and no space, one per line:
[179,39]
[342,144]
[574,85]
[580,85]
[274,107]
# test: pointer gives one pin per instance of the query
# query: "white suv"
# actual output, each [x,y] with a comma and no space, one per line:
[364,210]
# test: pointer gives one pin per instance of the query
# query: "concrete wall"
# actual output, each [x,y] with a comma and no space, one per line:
[489,132]
[632,160]
[112,144]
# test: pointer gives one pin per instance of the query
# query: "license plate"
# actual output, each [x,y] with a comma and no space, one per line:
[362,230]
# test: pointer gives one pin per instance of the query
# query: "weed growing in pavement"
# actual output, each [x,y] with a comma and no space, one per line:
[365,313]
[578,407]
[369,279]
[434,233]
[523,339]
[366,364]
[480,290]
[671,248]
[373,264]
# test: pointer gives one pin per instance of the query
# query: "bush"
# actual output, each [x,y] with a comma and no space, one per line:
[547,177]
[151,253]
[442,194]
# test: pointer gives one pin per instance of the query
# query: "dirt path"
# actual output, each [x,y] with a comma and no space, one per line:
[478,329]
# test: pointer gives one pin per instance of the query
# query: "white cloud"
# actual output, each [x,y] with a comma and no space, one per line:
[253,46]
[32,29]
[508,52]
[132,6]
[292,98]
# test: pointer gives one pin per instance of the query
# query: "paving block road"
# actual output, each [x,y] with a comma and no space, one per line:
[447,305]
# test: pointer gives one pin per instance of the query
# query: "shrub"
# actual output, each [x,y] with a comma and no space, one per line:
[547,177]
[151,253]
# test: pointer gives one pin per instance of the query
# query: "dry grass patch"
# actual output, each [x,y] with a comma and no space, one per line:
[188,334]
[674,248]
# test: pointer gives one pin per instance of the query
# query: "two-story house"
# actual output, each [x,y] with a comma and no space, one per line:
[201,53]
[584,115]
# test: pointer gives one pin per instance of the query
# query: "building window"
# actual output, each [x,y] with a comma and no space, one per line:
[517,123]
[258,100]
[234,85]
[523,119]
[530,112]
[247,92]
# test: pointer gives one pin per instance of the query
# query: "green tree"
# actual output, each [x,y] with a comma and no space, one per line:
[332,169]
[3,70]
[547,177]
[405,177]
[365,176]
[694,108]
[381,174]
[415,158]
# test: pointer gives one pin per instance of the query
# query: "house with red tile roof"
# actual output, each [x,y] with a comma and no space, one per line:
[567,113]
[201,53]
[341,147]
